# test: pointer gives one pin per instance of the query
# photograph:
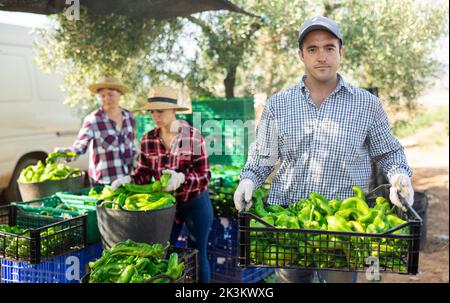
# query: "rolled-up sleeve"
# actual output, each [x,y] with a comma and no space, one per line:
[264,152]
[384,147]
[85,135]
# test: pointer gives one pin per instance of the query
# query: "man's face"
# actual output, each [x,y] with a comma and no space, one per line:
[109,98]
[321,55]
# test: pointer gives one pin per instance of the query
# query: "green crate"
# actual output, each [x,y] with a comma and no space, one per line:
[80,196]
[144,124]
[36,207]
[219,109]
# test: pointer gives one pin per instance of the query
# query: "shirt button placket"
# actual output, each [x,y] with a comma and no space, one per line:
[315,147]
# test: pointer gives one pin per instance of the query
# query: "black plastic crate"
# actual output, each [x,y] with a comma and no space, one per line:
[190,258]
[223,235]
[44,238]
[224,269]
[47,207]
[331,250]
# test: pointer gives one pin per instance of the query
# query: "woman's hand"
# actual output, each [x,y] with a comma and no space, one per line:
[176,179]
[119,182]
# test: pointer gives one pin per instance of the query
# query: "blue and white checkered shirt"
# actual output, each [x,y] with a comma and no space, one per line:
[325,150]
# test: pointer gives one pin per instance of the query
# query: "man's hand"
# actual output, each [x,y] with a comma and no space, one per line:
[119,182]
[243,195]
[175,181]
[401,185]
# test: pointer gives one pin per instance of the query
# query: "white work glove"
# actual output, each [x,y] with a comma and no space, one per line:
[119,182]
[243,195]
[401,185]
[175,181]
[60,150]
[64,150]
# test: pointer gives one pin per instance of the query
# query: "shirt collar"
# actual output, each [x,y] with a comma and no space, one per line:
[101,113]
[156,132]
[341,84]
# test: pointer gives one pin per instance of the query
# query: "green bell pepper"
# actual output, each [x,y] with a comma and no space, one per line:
[369,217]
[348,203]
[337,223]
[394,221]
[349,213]
[356,226]
[322,202]
[259,208]
[275,208]
[287,221]
[359,192]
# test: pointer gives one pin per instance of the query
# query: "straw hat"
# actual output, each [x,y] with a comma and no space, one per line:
[108,82]
[163,97]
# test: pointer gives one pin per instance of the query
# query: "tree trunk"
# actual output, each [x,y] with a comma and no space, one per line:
[230,82]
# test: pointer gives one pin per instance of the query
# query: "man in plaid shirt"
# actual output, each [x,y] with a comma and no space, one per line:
[108,132]
[324,132]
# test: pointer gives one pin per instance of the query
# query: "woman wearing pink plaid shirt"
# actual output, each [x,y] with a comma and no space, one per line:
[108,132]
[177,148]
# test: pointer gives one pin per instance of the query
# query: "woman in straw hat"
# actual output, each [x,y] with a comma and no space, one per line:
[109,134]
[176,148]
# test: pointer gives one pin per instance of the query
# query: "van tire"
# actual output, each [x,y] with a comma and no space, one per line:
[12,193]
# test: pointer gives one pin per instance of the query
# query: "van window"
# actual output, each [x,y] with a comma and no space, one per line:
[15,84]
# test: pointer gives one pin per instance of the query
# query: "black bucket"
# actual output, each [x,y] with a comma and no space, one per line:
[151,226]
[421,206]
[36,190]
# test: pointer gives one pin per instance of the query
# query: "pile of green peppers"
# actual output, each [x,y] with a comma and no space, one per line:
[137,197]
[52,170]
[327,250]
[131,262]
[19,247]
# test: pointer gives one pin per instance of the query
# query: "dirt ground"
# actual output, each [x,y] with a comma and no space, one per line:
[431,174]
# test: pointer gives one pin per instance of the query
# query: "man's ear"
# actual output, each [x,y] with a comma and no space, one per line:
[300,55]
[341,52]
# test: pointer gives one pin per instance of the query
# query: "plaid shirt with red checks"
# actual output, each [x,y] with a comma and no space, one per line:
[111,151]
[187,155]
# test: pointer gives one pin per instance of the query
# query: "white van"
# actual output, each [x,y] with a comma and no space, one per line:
[33,117]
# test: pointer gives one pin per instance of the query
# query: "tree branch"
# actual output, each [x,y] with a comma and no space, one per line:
[205,26]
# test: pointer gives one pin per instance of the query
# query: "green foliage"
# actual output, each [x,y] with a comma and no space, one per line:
[388,44]
[98,45]
[274,62]
[226,42]
[422,119]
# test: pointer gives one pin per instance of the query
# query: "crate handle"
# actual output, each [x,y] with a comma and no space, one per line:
[411,210]
[257,218]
